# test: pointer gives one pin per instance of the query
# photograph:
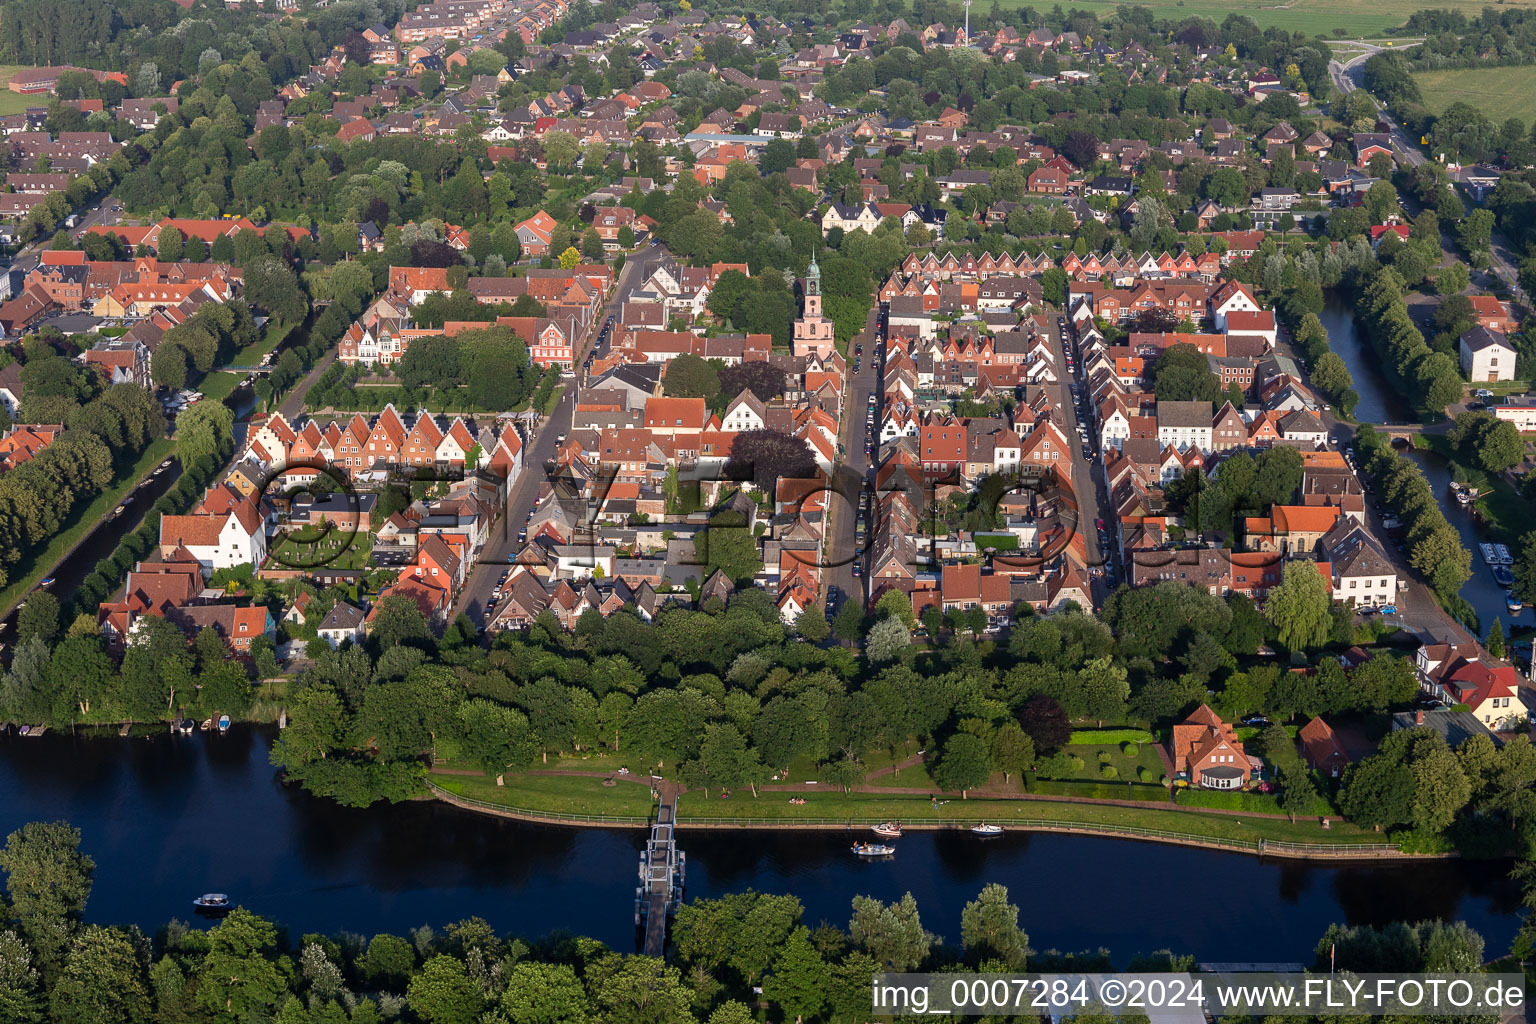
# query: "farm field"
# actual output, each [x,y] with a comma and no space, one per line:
[1313,17]
[1500,93]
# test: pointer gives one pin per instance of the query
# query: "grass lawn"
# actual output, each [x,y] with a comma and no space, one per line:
[269,340]
[1311,17]
[825,803]
[558,794]
[1263,803]
[904,778]
[15,102]
[576,795]
[42,560]
[219,385]
[1500,93]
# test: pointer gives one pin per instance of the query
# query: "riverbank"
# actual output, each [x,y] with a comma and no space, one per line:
[596,800]
[80,524]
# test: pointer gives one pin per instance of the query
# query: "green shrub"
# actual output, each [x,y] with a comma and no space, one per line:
[1145,774]
[1108,771]
[1130,749]
[1077,763]
[1104,757]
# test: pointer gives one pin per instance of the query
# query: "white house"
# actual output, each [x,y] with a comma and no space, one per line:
[1487,355]
[1361,572]
[341,623]
[1184,425]
[746,412]
[225,541]
[1232,297]
[861,217]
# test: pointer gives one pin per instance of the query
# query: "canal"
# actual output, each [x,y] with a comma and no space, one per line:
[102,541]
[1381,403]
[168,818]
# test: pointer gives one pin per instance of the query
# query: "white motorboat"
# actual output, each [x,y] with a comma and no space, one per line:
[984,829]
[888,830]
[873,849]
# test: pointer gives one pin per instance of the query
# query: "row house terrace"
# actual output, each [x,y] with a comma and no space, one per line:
[359,446]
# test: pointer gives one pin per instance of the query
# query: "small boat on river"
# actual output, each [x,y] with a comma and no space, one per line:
[1502,576]
[223,723]
[987,831]
[888,830]
[873,849]
[1513,603]
[212,903]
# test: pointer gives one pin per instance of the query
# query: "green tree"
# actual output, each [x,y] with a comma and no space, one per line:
[48,881]
[1013,752]
[965,764]
[39,618]
[1495,641]
[270,284]
[886,640]
[442,992]
[544,994]
[206,430]
[1299,608]
[103,979]
[638,990]
[238,978]
[989,927]
[689,376]
[800,977]
[388,961]
[892,934]
[1182,374]
[1105,689]
[20,994]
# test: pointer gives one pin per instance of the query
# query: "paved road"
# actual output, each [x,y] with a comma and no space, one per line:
[293,405]
[1088,479]
[1346,78]
[540,451]
[842,541]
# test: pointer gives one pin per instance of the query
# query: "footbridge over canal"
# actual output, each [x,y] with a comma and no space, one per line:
[662,870]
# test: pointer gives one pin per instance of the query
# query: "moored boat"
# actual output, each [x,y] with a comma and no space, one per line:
[1513,603]
[873,849]
[1502,576]
[983,829]
[1490,557]
[888,830]
[223,723]
[1502,551]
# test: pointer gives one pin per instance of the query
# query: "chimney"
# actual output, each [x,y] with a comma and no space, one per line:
[1418,717]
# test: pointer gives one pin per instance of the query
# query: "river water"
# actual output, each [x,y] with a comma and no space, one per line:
[169,818]
[1381,403]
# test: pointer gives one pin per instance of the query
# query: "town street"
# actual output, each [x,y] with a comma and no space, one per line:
[539,452]
[842,545]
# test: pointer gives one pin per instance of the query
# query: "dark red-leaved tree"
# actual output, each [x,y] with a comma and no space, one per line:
[426,253]
[764,456]
[1157,321]
[1082,148]
[762,379]
[1046,723]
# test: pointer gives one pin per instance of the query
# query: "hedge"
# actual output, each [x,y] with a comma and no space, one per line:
[1085,737]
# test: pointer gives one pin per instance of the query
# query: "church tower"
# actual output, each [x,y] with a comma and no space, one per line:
[813,332]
